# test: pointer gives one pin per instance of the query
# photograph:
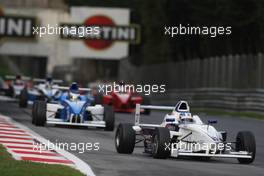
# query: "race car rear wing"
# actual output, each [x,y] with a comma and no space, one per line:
[137,113]
[12,77]
[181,106]
[67,88]
[56,81]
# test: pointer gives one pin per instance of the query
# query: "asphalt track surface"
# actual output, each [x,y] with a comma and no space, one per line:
[108,162]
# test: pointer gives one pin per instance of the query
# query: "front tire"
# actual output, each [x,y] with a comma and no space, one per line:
[23,99]
[34,111]
[125,138]
[245,141]
[40,117]
[109,118]
[161,143]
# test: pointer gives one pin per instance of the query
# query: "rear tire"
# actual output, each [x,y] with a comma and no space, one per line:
[245,141]
[23,99]
[125,138]
[146,101]
[40,117]
[10,92]
[161,141]
[98,99]
[109,118]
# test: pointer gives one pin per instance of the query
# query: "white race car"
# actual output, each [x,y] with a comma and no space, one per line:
[13,85]
[44,90]
[183,134]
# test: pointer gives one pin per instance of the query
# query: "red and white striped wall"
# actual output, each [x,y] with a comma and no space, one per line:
[23,145]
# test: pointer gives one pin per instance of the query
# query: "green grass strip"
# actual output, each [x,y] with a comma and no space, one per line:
[12,167]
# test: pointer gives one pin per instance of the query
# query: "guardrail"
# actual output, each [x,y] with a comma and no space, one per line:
[219,98]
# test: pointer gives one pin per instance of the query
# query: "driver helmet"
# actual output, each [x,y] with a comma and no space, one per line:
[49,82]
[186,117]
[74,92]
[18,79]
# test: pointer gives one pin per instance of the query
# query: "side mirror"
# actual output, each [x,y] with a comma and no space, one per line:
[212,121]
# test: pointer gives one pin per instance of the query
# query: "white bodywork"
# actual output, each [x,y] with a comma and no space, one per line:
[18,89]
[97,111]
[193,132]
[18,85]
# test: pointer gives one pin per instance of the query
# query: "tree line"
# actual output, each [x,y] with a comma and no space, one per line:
[246,18]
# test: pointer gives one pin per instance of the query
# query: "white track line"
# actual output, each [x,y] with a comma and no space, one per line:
[79,164]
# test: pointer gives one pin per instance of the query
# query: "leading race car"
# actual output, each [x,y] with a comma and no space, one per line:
[73,109]
[46,90]
[181,134]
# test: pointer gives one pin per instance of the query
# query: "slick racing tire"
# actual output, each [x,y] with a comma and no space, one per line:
[109,118]
[161,143]
[23,98]
[98,99]
[10,92]
[125,138]
[40,117]
[34,111]
[245,141]
[146,101]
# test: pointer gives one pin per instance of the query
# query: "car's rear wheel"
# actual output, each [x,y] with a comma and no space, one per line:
[146,101]
[125,138]
[109,118]
[40,117]
[245,141]
[98,98]
[161,143]
[10,92]
[23,98]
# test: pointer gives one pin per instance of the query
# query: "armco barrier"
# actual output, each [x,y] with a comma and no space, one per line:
[228,99]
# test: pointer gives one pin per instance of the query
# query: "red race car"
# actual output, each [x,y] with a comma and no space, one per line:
[123,101]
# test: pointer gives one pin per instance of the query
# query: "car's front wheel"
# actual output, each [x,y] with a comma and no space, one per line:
[40,113]
[23,99]
[161,143]
[245,141]
[125,138]
[34,111]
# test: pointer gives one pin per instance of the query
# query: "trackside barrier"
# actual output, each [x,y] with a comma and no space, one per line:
[217,98]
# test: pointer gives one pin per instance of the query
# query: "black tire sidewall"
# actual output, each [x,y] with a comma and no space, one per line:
[23,98]
[163,140]
[109,118]
[127,138]
[40,119]
[245,141]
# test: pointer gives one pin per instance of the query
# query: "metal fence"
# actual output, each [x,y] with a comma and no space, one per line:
[239,71]
[230,82]
[217,98]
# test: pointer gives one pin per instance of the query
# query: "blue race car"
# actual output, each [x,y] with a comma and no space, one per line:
[73,109]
